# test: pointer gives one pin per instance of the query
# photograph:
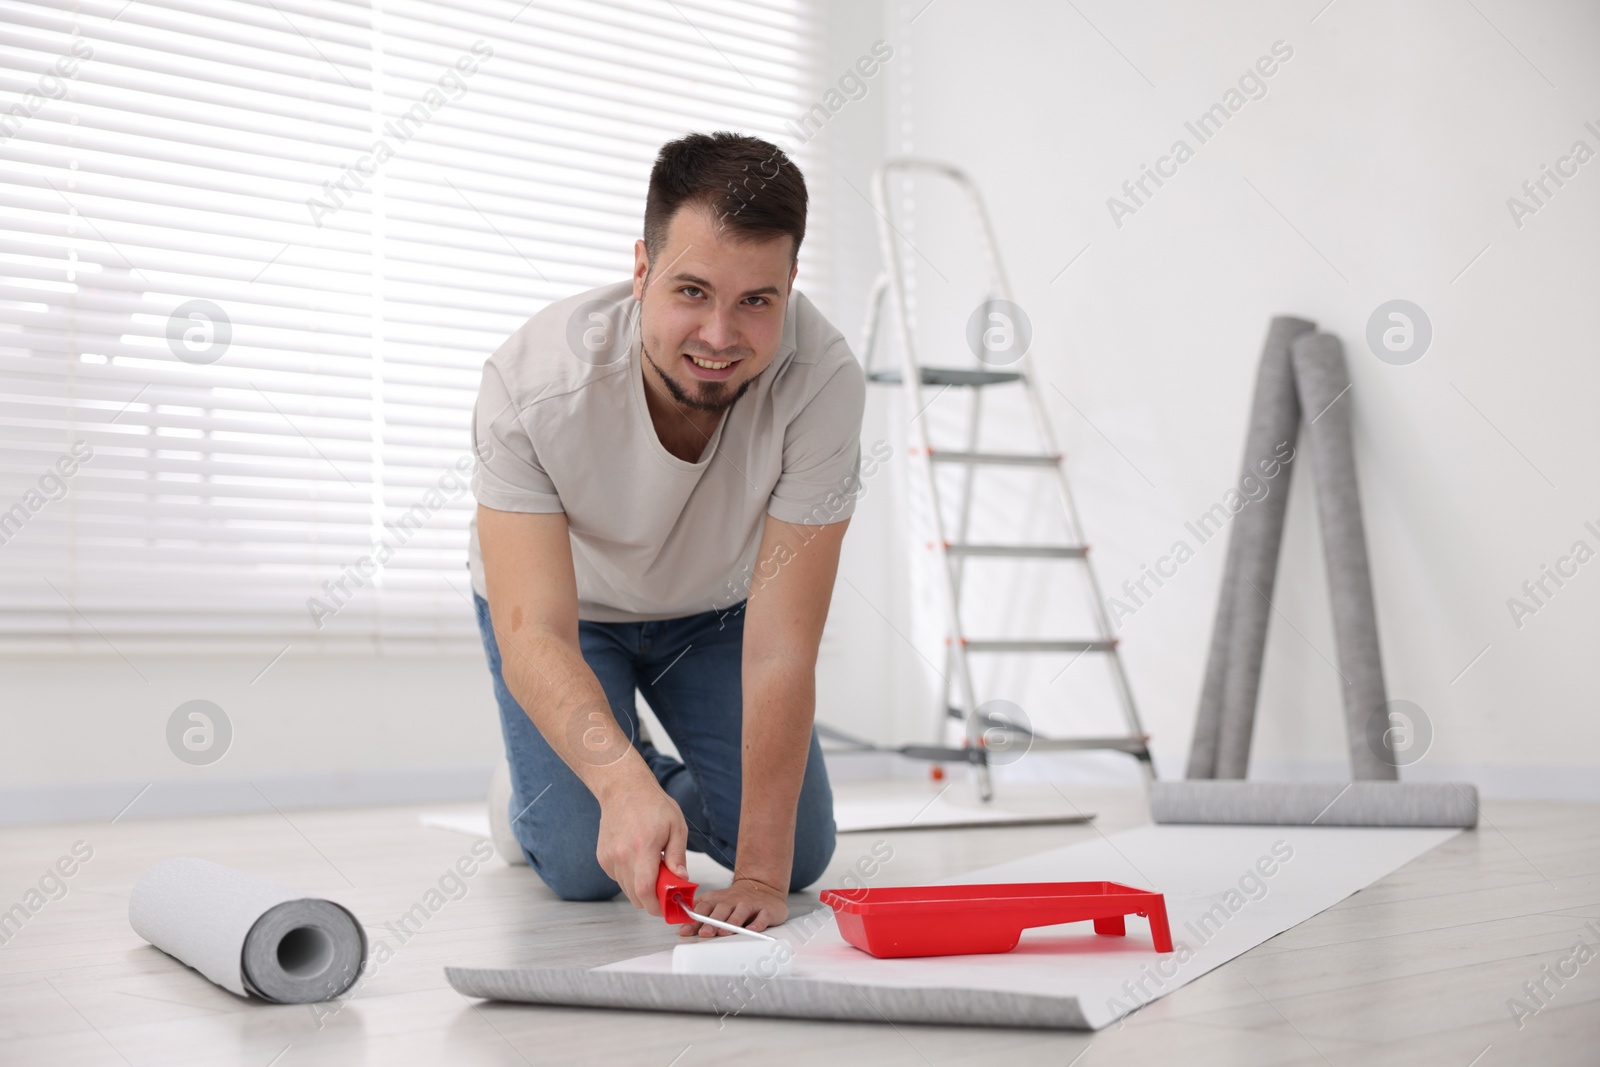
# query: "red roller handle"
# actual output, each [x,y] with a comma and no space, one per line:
[668,888]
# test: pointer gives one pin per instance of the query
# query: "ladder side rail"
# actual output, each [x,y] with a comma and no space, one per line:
[887,232]
[968,476]
[1047,438]
[1041,421]
[1097,605]
[996,283]
[963,525]
[869,329]
[991,246]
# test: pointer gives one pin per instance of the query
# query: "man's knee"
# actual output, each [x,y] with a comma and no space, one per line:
[576,881]
[814,843]
[568,867]
[562,853]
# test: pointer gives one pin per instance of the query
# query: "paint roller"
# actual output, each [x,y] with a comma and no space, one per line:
[1302,372]
[755,953]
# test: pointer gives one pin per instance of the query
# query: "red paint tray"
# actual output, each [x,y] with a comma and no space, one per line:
[959,920]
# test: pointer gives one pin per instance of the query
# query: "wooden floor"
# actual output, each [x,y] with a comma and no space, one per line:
[1417,969]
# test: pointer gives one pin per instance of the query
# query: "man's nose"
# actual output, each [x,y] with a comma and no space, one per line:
[718,330]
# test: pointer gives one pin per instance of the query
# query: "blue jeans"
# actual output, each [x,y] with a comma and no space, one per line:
[689,671]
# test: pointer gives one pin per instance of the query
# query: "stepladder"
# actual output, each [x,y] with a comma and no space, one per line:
[994,357]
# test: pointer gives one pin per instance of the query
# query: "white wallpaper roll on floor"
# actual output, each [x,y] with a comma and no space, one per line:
[246,934]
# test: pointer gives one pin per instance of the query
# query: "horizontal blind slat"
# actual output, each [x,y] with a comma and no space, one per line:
[197,156]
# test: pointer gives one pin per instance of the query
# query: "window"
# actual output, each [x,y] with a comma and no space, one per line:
[252,257]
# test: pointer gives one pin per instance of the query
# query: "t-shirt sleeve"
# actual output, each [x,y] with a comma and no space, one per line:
[822,452]
[508,476]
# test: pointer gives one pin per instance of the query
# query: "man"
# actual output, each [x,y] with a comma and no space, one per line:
[667,468]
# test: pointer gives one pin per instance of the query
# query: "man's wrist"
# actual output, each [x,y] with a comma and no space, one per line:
[616,781]
[776,884]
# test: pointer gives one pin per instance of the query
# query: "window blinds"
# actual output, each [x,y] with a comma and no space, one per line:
[253,255]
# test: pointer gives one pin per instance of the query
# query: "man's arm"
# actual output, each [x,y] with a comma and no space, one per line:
[533,604]
[789,596]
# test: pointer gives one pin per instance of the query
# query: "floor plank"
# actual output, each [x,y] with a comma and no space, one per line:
[1417,968]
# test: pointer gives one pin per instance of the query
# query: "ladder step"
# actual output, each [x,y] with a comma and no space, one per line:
[936,753]
[1002,459]
[949,376]
[1131,743]
[1023,551]
[1000,644]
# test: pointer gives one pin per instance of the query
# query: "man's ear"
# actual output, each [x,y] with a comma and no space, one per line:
[792,272]
[641,268]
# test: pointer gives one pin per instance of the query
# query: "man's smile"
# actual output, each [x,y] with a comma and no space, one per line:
[710,370]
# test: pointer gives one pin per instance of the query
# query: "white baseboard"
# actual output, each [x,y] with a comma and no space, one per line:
[352,789]
[1494,781]
[232,796]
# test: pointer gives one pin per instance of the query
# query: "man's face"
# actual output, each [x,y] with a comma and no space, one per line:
[712,308]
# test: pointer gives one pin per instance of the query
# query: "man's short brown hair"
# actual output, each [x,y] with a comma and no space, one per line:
[748,185]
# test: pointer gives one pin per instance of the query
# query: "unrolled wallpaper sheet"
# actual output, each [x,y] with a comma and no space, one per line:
[1227,888]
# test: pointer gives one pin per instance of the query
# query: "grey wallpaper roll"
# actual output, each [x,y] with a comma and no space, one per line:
[1234,803]
[246,934]
[1323,380]
[1223,728]
[1302,380]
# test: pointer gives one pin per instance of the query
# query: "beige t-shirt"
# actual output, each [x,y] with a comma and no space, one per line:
[561,425]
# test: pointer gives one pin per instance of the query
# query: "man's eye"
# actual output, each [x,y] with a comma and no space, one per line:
[760,300]
[690,290]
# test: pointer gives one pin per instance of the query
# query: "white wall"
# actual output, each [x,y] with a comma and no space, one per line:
[861,673]
[86,734]
[1377,166]
[1390,141]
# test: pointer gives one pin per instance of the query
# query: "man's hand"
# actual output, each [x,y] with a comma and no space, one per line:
[747,902]
[640,827]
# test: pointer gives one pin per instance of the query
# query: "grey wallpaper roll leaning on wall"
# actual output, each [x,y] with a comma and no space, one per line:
[1302,377]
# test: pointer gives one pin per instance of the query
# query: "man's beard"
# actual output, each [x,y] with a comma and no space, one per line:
[713,397]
